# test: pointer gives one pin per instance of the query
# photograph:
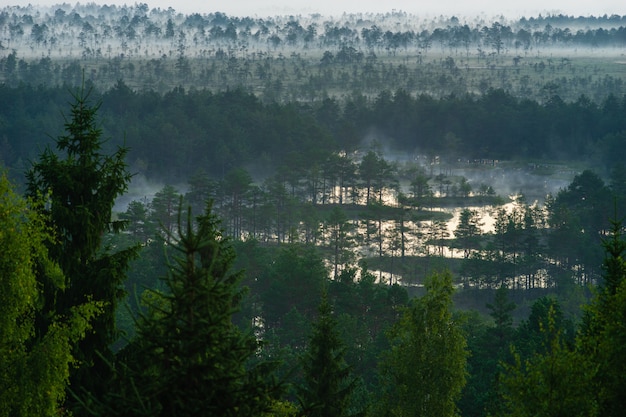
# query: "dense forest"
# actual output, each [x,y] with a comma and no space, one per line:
[368,215]
[196,130]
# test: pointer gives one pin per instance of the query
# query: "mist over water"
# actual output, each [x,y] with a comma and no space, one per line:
[143,189]
[514,181]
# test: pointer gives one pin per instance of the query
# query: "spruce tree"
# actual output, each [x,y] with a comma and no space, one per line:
[488,350]
[189,358]
[614,264]
[80,184]
[328,382]
[602,336]
[555,381]
[501,310]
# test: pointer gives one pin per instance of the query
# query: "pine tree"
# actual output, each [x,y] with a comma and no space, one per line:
[468,230]
[189,358]
[501,310]
[328,382]
[340,241]
[80,188]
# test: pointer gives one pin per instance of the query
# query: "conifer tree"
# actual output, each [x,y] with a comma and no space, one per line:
[555,381]
[340,241]
[80,185]
[602,337]
[189,358]
[328,382]
[501,310]
[490,350]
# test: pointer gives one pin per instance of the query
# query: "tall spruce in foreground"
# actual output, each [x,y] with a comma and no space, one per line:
[189,358]
[80,185]
[327,378]
[34,369]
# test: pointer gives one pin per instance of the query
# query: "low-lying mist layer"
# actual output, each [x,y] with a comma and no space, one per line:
[310,57]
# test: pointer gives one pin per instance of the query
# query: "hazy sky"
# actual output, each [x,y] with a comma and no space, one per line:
[428,7]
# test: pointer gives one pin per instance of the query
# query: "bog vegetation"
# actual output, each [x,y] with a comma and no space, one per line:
[366,215]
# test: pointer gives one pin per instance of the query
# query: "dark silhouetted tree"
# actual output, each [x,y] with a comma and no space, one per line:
[189,358]
[603,332]
[328,383]
[80,187]
[555,381]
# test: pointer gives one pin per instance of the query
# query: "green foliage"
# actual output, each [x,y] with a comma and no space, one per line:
[140,225]
[80,187]
[328,381]
[340,240]
[468,231]
[424,372]
[550,376]
[489,346]
[83,186]
[614,263]
[376,173]
[545,321]
[501,310]
[478,393]
[365,310]
[282,409]
[578,216]
[610,354]
[34,367]
[602,336]
[554,382]
[189,358]
[308,145]
[246,132]
[164,209]
[295,280]
[353,57]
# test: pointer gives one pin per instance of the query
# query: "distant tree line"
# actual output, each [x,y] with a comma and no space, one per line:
[175,135]
[285,58]
[95,27]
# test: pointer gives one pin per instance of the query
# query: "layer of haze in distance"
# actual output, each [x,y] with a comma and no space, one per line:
[433,8]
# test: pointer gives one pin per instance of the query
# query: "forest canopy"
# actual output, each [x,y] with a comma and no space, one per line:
[173,135]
